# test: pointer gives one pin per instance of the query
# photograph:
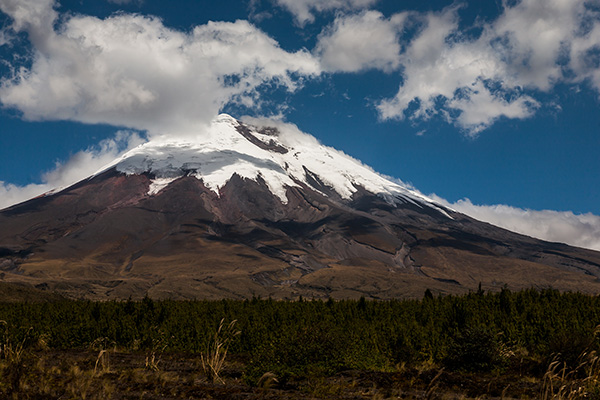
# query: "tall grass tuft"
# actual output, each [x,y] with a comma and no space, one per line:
[12,356]
[153,357]
[102,346]
[213,359]
[562,382]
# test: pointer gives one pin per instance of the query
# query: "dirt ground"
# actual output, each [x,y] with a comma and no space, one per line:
[72,374]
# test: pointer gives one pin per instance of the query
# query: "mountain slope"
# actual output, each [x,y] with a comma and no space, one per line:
[243,211]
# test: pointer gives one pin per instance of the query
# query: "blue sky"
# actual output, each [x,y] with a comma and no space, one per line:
[492,106]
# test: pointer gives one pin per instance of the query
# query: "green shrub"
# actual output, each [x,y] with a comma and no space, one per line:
[474,349]
[310,351]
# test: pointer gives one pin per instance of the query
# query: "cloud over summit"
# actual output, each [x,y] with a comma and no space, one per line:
[131,70]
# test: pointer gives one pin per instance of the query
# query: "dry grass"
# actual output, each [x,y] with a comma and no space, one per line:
[103,347]
[79,382]
[13,360]
[213,359]
[153,357]
[101,372]
[561,382]
[69,374]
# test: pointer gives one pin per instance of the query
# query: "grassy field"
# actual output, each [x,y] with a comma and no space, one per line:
[530,344]
[77,374]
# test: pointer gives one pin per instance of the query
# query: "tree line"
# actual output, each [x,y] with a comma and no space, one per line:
[477,331]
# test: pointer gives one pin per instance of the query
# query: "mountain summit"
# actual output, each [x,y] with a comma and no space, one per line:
[278,158]
[240,211]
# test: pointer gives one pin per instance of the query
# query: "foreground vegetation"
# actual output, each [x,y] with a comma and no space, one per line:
[530,344]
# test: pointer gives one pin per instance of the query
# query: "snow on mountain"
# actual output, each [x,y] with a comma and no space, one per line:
[281,156]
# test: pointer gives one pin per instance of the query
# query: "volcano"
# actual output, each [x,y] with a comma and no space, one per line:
[241,211]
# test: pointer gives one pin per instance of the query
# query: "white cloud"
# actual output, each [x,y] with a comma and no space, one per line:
[479,108]
[534,34]
[130,70]
[473,81]
[443,74]
[36,16]
[80,166]
[357,42]
[582,230]
[304,10]
[585,57]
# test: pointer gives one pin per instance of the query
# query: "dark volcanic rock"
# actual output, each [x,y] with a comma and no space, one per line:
[107,238]
[246,211]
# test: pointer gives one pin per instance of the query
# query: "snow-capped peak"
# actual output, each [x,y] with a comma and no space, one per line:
[281,156]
